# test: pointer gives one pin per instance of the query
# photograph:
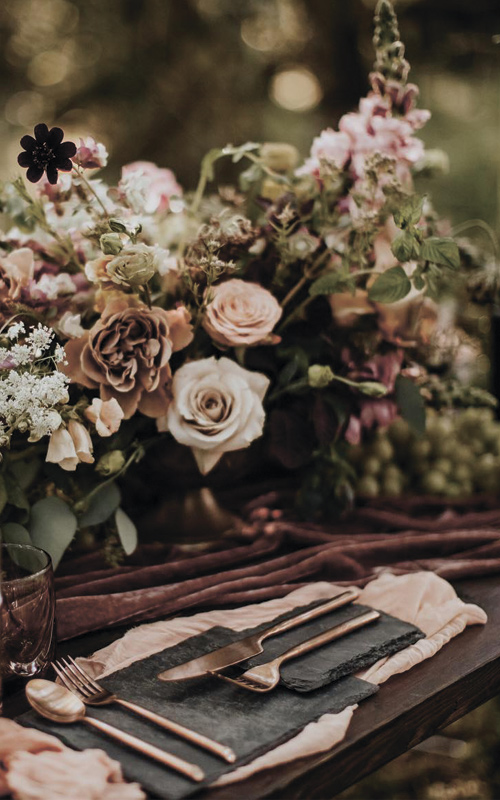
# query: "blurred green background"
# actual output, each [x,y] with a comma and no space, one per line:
[166,81]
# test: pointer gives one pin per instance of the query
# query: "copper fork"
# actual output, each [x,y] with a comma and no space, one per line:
[92,693]
[266,676]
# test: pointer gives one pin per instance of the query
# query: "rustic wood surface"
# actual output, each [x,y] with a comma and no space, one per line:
[406,710]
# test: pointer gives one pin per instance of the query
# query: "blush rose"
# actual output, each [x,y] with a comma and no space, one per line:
[216,408]
[241,313]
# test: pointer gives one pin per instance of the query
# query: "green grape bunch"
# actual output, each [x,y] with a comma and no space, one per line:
[458,456]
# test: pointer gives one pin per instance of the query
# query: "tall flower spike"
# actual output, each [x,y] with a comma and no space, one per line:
[46,152]
[390,50]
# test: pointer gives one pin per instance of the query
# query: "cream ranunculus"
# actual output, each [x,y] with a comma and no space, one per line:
[241,313]
[216,408]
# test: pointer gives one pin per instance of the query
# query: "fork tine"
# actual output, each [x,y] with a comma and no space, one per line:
[75,679]
[240,682]
[85,675]
[65,680]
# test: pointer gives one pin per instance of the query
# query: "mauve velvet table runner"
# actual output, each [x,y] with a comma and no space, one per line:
[273,555]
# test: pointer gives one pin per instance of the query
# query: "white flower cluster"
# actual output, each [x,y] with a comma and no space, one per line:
[30,385]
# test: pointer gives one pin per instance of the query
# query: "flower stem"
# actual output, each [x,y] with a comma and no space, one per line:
[90,189]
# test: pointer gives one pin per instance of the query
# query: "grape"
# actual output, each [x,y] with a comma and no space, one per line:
[367,486]
[458,455]
[371,466]
[434,482]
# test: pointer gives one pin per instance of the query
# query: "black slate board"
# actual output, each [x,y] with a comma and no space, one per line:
[250,723]
[345,656]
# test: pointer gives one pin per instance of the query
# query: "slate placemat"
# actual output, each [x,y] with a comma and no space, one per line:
[250,723]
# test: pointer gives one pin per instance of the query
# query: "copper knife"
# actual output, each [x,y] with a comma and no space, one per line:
[251,646]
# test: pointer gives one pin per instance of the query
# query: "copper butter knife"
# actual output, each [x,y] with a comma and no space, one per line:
[236,652]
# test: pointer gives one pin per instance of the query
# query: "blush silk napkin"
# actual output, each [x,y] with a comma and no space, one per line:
[422,598]
[37,766]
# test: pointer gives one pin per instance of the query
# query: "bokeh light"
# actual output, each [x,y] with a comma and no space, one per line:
[296,88]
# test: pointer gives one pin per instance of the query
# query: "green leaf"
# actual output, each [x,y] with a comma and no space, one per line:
[13,533]
[442,251]
[390,286]
[409,212]
[16,494]
[52,526]
[102,505]
[126,531]
[331,283]
[418,282]
[4,495]
[405,247]
[411,403]
[25,472]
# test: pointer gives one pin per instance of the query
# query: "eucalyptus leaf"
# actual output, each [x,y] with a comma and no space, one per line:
[16,494]
[102,506]
[411,403]
[52,526]
[4,495]
[390,286]
[126,531]
[442,251]
[13,533]
[25,472]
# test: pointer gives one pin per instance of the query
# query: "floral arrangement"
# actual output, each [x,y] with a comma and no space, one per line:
[295,311]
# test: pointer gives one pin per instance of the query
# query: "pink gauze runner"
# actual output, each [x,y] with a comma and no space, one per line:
[421,598]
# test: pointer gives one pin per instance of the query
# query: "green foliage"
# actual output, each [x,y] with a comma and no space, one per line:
[411,403]
[52,526]
[405,247]
[13,533]
[127,531]
[409,212]
[331,283]
[390,286]
[442,251]
[102,504]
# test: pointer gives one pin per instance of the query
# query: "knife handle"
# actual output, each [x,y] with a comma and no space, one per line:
[328,636]
[336,602]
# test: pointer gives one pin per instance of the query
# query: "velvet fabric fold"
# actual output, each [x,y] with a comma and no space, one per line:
[272,556]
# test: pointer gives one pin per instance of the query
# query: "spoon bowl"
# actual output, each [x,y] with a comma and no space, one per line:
[55,702]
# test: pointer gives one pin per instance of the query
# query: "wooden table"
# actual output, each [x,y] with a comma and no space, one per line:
[406,710]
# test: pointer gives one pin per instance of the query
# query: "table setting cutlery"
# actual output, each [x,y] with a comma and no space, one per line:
[58,704]
[76,680]
[266,677]
[244,649]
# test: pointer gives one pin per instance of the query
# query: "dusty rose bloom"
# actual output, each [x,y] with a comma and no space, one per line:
[70,446]
[91,154]
[105,414]
[16,271]
[241,313]
[126,356]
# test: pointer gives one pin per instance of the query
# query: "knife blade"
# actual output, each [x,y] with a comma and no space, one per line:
[251,645]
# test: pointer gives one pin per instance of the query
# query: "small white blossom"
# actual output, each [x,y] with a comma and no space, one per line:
[16,330]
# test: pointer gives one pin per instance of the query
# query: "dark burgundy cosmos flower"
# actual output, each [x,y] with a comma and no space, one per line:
[46,153]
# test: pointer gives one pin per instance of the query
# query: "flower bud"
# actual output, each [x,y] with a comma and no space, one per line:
[117,226]
[319,376]
[279,156]
[110,463]
[134,266]
[372,388]
[111,244]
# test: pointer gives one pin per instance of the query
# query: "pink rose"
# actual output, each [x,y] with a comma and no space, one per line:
[105,414]
[70,446]
[144,183]
[241,313]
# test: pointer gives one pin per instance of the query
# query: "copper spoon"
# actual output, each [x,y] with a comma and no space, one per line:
[60,705]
